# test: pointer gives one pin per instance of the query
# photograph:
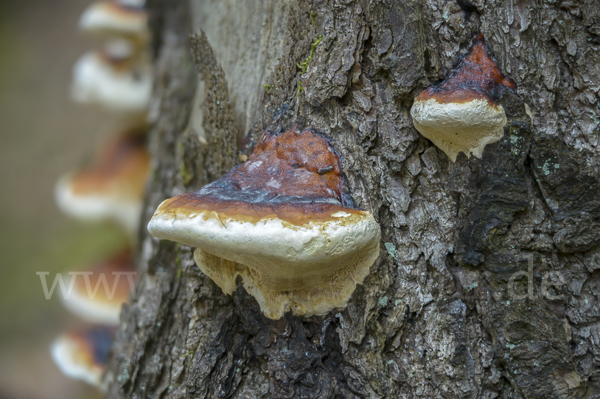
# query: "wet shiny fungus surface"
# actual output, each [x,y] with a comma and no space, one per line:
[476,77]
[294,176]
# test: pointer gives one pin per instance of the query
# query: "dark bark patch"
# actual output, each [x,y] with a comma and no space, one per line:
[572,192]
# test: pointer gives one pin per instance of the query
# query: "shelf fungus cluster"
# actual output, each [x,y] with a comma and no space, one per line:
[117,76]
[281,221]
[461,114]
[96,296]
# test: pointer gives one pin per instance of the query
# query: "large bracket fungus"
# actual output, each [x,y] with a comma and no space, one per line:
[283,222]
[460,114]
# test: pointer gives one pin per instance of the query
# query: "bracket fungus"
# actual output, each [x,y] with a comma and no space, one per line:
[460,114]
[113,187]
[82,354]
[116,81]
[283,222]
[97,296]
[113,19]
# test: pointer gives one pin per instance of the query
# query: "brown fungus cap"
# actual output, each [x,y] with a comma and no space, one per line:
[113,186]
[460,114]
[98,295]
[283,222]
[82,354]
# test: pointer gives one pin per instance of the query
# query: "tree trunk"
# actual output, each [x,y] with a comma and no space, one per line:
[488,281]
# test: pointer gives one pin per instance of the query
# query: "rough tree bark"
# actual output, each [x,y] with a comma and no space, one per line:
[439,315]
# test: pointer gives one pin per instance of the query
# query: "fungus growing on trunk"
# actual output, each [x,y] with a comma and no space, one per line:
[99,296]
[83,354]
[113,187]
[460,114]
[283,222]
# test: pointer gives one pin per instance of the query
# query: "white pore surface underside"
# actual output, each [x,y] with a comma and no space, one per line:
[308,269]
[268,238]
[459,127]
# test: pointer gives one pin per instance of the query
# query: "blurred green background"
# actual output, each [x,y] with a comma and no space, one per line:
[42,135]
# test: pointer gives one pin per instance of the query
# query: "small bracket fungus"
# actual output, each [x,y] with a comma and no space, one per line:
[98,296]
[283,222]
[83,354]
[111,19]
[460,114]
[112,80]
[113,187]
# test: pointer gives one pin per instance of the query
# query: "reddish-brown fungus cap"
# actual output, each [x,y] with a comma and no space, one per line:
[284,215]
[82,354]
[477,76]
[98,296]
[295,177]
[460,114]
[111,188]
